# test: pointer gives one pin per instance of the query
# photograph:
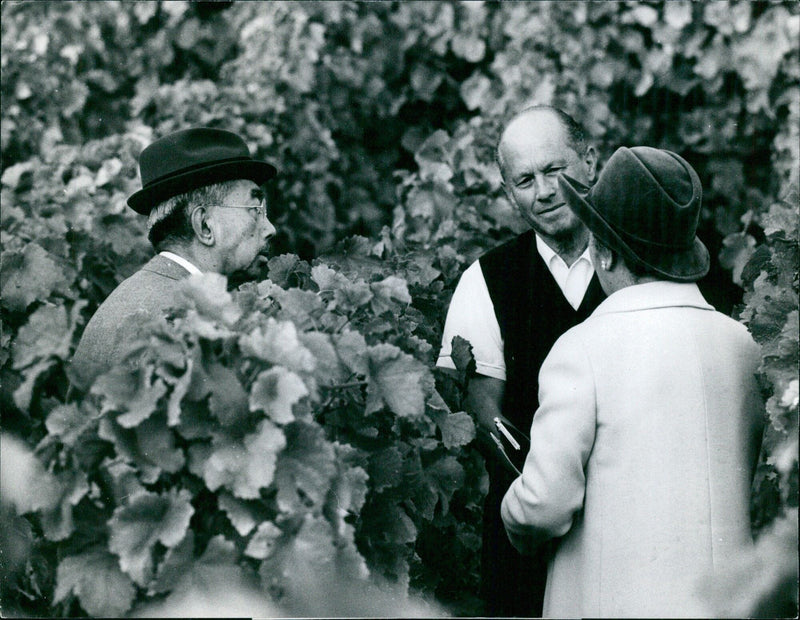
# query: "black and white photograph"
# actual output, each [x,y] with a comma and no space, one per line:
[399,308]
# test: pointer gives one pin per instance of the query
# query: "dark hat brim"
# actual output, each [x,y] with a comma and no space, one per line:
[146,198]
[682,266]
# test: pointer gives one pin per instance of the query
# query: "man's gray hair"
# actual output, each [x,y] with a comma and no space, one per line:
[169,221]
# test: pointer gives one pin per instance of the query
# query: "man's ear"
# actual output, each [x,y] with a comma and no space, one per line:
[606,257]
[203,231]
[507,191]
[590,163]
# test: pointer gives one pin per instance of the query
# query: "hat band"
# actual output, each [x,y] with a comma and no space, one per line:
[182,171]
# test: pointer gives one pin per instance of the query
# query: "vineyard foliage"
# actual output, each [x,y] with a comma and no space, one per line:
[288,438]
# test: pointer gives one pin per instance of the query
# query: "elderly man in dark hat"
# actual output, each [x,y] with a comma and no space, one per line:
[203,195]
[644,445]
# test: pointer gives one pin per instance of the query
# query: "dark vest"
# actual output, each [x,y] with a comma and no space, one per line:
[532,313]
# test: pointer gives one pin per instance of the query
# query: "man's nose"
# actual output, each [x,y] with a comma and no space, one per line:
[547,188]
[269,228]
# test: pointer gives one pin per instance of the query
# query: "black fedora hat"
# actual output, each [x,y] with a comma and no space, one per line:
[645,205]
[191,158]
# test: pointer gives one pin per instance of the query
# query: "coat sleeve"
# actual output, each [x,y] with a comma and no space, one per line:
[542,502]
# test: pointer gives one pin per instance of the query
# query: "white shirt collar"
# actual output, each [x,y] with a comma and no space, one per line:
[548,254]
[181,261]
[573,280]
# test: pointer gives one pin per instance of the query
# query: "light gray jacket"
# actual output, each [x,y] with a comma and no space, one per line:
[144,296]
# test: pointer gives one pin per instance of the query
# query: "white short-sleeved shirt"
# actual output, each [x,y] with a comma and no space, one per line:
[471,314]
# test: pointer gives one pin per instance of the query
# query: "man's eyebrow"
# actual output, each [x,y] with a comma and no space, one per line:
[258,193]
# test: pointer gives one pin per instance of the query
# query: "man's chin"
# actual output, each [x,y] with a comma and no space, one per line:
[257,270]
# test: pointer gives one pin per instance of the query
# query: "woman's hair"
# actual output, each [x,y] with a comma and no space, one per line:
[170,221]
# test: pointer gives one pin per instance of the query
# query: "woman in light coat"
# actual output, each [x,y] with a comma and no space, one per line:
[648,431]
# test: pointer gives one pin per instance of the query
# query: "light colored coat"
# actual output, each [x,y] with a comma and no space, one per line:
[642,455]
[144,296]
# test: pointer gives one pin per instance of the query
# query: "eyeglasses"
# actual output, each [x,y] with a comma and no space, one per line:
[260,208]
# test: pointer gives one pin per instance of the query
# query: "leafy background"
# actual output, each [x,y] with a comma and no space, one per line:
[288,443]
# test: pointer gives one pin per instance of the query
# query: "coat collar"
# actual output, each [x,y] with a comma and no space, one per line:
[660,294]
[165,267]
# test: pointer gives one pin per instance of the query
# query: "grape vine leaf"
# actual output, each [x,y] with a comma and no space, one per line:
[395,380]
[146,519]
[29,276]
[263,541]
[240,514]
[69,421]
[245,472]
[26,484]
[329,368]
[275,391]
[228,399]
[352,350]
[177,560]
[95,578]
[47,334]
[305,468]
[314,572]
[346,497]
[446,475]
[121,480]
[212,583]
[285,269]
[209,294]
[278,343]
[303,308]
[328,280]
[58,523]
[385,467]
[390,294]
[126,444]
[133,391]
[157,442]
[458,429]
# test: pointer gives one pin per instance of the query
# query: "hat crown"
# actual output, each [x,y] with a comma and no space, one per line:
[187,150]
[649,195]
[645,205]
[191,158]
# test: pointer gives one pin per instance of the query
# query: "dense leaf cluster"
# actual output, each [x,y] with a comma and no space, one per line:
[289,429]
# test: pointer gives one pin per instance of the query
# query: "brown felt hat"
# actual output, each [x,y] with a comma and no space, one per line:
[645,205]
[191,158]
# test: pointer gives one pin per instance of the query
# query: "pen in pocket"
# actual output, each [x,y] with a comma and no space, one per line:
[501,427]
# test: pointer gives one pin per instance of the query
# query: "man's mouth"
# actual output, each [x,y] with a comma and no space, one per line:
[552,208]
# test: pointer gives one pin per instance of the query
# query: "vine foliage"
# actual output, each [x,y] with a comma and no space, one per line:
[290,435]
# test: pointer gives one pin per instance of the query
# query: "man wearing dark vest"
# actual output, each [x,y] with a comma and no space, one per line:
[512,305]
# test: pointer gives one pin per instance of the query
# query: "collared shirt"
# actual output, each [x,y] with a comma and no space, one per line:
[181,261]
[573,280]
[471,314]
